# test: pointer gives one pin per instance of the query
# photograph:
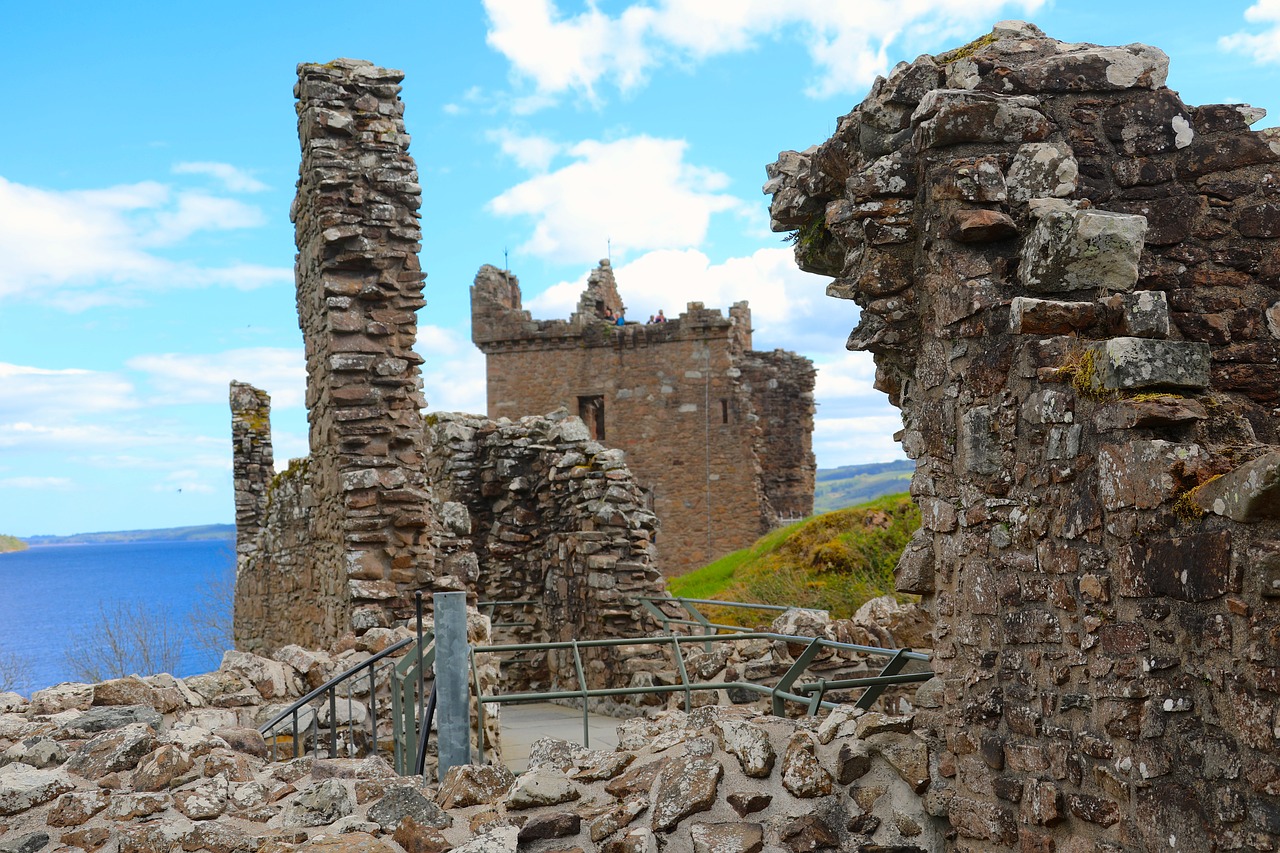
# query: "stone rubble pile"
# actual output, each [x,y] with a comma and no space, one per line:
[177,771]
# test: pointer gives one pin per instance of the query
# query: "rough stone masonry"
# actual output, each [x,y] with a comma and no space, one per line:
[1070,283]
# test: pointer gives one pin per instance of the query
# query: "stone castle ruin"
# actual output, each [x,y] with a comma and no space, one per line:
[720,435]
[1070,282]
[390,502]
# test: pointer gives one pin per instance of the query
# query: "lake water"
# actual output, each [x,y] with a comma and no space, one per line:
[50,594]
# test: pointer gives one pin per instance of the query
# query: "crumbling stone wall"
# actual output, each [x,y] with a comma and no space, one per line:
[780,386]
[253,463]
[1069,281]
[720,435]
[359,289]
[552,518]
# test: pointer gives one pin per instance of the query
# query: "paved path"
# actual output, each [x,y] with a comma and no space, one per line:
[524,723]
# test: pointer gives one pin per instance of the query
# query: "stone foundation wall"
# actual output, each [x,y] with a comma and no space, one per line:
[1069,280]
[673,397]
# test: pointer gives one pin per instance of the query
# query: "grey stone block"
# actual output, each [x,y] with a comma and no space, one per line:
[1072,249]
[1249,493]
[1135,363]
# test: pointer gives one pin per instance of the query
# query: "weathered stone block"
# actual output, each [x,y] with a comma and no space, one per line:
[1126,364]
[1031,316]
[1250,493]
[982,226]
[1042,169]
[1191,568]
[1140,314]
[953,116]
[1071,249]
[1167,410]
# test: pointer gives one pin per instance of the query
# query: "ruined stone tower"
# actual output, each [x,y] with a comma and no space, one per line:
[347,533]
[1070,281]
[720,435]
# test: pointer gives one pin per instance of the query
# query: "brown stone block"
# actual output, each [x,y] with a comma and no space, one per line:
[1191,568]
[983,821]
[1097,810]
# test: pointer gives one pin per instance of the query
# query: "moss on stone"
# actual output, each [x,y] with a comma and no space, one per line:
[966,51]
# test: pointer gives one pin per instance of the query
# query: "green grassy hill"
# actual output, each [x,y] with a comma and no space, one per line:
[11,543]
[836,561]
[850,485]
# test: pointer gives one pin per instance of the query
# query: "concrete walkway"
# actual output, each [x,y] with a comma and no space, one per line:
[524,723]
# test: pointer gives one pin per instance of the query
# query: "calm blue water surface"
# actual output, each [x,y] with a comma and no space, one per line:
[50,593]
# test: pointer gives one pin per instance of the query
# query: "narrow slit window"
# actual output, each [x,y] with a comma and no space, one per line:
[724,411]
[591,410]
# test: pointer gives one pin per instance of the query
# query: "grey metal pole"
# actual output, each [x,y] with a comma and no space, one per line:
[453,711]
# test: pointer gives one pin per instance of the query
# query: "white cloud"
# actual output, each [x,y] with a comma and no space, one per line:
[532,152]
[28,436]
[192,378]
[570,53]
[80,248]
[851,374]
[194,211]
[35,483]
[233,179]
[637,192]
[1263,46]
[40,394]
[856,440]
[847,42]
[453,375]
[287,445]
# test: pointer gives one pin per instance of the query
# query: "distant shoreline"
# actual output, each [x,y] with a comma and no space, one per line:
[231,538]
[196,533]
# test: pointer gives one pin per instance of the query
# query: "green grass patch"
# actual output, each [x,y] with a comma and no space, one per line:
[11,543]
[836,561]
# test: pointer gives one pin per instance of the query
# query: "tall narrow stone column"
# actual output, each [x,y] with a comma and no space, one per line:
[359,286]
[252,461]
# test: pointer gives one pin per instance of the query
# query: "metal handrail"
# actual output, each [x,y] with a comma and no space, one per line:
[809,694]
[709,628]
[330,687]
[407,686]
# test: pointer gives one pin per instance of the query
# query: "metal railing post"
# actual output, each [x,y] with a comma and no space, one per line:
[893,667]
[417,602]
[453,700]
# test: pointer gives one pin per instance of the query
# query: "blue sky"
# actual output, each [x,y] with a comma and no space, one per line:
[150,155]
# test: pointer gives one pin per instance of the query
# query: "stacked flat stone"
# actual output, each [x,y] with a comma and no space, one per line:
[359,289]
[253,464]
[1069,280]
